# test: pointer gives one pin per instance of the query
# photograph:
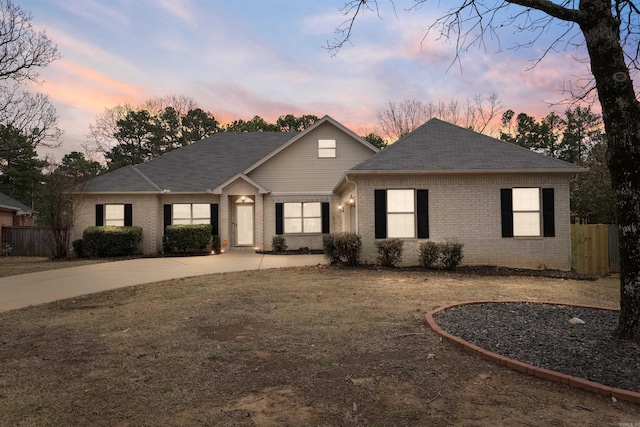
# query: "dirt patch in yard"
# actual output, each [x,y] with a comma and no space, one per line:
[307,346]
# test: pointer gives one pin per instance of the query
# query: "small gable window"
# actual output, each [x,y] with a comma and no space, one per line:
[326,148]
[191,213]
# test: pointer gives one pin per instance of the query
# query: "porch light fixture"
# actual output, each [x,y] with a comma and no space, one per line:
[341,208]
[352,201]
[244,199]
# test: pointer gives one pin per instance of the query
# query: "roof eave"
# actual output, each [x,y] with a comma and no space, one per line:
[564,171]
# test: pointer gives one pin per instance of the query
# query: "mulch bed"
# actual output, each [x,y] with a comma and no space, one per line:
[541,335]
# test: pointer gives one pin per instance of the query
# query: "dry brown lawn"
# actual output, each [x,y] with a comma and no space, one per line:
[292,347]
[12,265]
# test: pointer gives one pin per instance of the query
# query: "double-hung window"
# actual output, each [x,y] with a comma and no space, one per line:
[191,213]
[401,213]
[302,218]
[527,212]
[114,215]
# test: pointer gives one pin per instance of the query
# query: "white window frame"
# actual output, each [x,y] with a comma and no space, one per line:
[199,213]
[327,148]
[527,211]
[114,215]
[302,220]
[401,213]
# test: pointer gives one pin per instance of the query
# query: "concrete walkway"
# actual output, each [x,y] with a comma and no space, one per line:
[46,286]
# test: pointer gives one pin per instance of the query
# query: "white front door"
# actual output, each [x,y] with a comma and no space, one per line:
[244,220]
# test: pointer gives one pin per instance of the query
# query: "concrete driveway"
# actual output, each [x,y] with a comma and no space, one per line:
[46,286]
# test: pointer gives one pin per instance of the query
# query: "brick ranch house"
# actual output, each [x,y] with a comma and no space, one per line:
[509,206]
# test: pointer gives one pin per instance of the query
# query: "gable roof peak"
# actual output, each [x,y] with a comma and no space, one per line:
[439,146]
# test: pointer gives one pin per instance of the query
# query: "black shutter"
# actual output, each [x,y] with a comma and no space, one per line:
[214,219]
[279,218]
[380,213]
[423,213]
[325,218]
[99,215]
[506,208]
[548,213]
[128,215]
[167,216]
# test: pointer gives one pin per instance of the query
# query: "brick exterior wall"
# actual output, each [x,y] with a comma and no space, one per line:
[295,241]
[466,209]
[148,213]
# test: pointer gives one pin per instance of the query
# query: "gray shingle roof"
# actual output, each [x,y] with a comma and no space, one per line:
[198,167]
[441,146]
[13,204]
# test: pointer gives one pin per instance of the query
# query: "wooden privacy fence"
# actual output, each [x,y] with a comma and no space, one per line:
[594,249]
[27,241]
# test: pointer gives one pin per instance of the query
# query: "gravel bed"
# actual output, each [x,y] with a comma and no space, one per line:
[541,335]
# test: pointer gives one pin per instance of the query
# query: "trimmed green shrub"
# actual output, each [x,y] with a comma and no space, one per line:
[445,256]
[349,246]
[107,241]
[330,249]
[78,248]
[278,244]
[187,238]
[429,254]
[451,255]
[389,252]
[216,244]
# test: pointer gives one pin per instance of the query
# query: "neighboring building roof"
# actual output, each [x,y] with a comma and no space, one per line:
[9,203]
[198,167]
[441,147]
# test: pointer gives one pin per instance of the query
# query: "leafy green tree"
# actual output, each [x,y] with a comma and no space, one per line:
[291,123]
[75,166]
[592,196]
[286,123]
[540,136]
[375,140]
[132,134]
[257,124]
[582,131]
[20,167]
[198,124]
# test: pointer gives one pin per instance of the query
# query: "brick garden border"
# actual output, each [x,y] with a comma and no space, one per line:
[526,368]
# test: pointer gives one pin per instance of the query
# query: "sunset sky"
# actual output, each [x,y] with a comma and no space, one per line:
[243,58]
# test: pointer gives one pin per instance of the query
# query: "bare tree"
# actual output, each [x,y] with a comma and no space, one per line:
[181,103]
[609,31]
[23,50]
[32,114]
[398,119]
